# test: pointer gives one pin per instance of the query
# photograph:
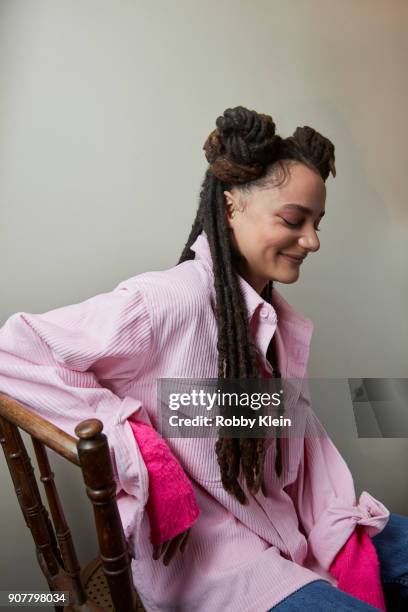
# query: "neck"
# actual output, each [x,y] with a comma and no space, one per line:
[256,282]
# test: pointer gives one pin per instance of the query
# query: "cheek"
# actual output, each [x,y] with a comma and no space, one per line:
[279,239]
[258,239]
[249,235]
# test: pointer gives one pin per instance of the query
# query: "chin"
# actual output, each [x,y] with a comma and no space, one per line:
[286,278]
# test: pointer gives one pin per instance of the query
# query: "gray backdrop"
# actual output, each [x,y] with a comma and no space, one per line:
[104,108]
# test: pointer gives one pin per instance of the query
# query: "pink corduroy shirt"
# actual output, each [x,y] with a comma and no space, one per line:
[102,358]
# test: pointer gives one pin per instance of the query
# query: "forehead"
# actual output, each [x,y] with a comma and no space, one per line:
[303,186]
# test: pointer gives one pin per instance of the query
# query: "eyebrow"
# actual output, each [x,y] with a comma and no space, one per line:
[302,209]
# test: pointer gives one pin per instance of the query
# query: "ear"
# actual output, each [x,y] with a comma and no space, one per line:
[230,208]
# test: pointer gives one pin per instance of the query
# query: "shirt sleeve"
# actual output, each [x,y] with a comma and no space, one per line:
[55,364]
[324,494]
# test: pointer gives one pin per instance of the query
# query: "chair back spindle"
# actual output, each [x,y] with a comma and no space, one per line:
[93,452]
[69,557]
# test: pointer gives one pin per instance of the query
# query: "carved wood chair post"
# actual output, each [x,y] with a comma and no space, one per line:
[16,484]
[94,456]
[33,510]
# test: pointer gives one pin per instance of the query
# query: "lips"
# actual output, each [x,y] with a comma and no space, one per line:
[293,258]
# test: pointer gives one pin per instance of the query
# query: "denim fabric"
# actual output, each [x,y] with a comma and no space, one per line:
[392,550]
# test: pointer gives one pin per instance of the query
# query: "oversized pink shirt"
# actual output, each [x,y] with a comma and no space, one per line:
[102,358]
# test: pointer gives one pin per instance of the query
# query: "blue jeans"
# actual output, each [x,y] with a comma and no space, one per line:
[392,550]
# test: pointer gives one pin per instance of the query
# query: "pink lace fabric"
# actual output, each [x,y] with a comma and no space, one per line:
[357,569]
[171,505]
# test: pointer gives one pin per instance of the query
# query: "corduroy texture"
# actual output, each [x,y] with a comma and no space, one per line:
[357,569]
[171,505]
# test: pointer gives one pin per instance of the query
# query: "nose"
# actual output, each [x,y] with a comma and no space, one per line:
[309,240]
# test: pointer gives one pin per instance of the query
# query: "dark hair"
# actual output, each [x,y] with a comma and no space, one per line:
[244,151]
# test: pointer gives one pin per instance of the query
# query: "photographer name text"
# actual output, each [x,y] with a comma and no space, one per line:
[234,421]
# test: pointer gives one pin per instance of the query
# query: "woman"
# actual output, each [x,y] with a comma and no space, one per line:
[275,517]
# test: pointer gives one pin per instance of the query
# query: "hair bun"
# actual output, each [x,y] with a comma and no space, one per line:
[319,149]
[242,145]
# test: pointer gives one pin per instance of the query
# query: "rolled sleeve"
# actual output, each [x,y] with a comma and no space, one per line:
[338,521]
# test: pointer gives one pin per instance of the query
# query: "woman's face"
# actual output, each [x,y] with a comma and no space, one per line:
[275,228]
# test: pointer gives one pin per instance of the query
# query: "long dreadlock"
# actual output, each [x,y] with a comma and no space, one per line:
[244,151]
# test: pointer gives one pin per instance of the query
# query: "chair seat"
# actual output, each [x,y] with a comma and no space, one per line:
[96,587]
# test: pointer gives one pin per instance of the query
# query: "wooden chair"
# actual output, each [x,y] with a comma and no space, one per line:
[105,583]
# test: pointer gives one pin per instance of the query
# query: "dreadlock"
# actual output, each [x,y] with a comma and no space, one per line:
[244,151]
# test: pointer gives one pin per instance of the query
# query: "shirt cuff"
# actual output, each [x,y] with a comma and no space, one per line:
[130,473]
[337,523]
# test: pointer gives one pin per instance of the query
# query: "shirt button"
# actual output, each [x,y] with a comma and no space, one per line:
[264,313]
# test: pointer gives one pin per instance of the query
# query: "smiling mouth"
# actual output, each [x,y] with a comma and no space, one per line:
[297,259]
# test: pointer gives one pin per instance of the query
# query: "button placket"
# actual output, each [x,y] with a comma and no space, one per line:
[265,337]
[264,312]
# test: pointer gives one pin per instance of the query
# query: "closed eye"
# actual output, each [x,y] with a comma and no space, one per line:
[296,225]
[288,223]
